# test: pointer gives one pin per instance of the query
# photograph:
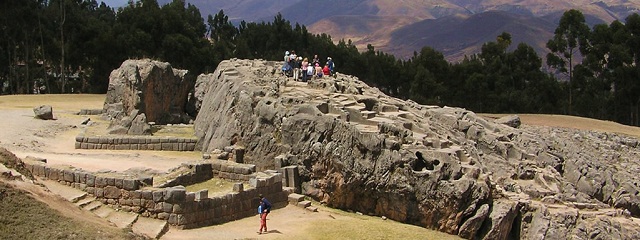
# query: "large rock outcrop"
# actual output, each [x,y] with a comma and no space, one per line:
[442,168]
[148,87]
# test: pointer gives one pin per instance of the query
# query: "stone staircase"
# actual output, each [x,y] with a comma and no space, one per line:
[152,228]
[298,201]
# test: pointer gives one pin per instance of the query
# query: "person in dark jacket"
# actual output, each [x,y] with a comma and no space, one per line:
[265,208]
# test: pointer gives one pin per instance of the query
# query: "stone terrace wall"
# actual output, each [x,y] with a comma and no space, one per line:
[135,143]
[91,111]
[201,171]
[175,205]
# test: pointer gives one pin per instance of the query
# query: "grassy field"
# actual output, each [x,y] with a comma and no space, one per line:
[69,102]
[581,123]
[368,227]
[216,186]
[23,217]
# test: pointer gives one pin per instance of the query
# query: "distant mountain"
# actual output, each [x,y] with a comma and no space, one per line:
[460,35]
[455,27]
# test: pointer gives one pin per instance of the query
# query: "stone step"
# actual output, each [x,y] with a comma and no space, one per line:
[152,228]
[311,209]
[304,204]
[295,198]
[92,206]
[348,103]
[122,219]
[368,114]
[66,192]
[85,201]
[103,211]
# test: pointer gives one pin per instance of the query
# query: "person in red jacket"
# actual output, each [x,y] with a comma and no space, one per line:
[326,71]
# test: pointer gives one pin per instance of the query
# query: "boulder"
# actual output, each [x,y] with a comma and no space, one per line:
[139,126]
[511,121]
[151,87]
[44,112]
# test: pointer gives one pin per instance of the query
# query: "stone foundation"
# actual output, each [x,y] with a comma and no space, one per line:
[135,143]
[178,207]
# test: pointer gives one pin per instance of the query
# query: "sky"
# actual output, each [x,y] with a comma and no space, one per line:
[114,3]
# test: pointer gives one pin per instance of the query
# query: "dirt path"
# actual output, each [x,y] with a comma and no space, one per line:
[284,223]
[54,140]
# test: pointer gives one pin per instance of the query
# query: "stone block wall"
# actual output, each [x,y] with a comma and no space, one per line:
[135,143]
[91,111]
[174,204]
[232,170]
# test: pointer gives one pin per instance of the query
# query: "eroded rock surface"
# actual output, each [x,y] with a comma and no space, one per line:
[148,87]
[438,167]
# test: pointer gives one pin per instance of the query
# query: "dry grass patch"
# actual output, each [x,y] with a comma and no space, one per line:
[343,226]
[70,102]
[564,121]
[23,217]
[216,186]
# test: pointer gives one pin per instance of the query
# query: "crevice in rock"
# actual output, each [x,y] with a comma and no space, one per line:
[369,103]
[421,164]
[515,226]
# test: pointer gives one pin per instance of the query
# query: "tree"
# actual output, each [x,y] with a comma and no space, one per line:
[570,38]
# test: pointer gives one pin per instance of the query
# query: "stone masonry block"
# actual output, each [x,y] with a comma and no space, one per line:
[238,187]
[147,195]
[111,181]
[175,195]
[91,180]
[158,195]
[295,198]
[111,192]
[201,195]
[293,180]
[167,207]
[117,182]
[190,197]
[68,176]
[130,184]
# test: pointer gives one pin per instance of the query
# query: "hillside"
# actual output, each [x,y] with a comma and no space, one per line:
[384,23]
[457,36]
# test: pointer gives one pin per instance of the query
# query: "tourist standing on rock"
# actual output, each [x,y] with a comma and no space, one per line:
[305,65]
[296,68]
[315,60]
[331,65]
[318,70]
[286,67]
[264,209]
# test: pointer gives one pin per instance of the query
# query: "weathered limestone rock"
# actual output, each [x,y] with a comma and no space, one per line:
[44,112]
[139,126]
[151,87]
[511,121]
[437,167]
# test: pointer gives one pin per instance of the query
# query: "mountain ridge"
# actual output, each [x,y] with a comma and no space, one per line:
[377,22]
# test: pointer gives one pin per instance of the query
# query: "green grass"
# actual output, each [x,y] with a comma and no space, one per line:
[23,217]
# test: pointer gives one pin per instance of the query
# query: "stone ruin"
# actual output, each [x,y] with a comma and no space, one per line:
[442,168]
[350,146]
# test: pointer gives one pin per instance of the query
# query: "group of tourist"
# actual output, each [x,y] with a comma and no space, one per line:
[301,69]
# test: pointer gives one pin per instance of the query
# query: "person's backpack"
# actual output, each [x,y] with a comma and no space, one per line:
[309,70]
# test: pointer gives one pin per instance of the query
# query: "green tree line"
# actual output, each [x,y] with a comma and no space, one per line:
[75,44]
